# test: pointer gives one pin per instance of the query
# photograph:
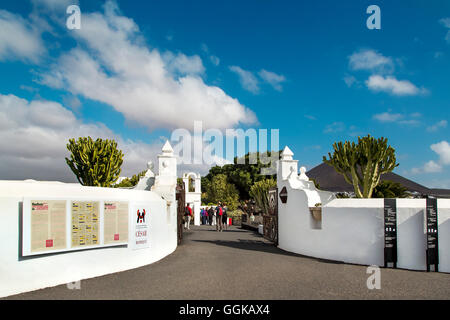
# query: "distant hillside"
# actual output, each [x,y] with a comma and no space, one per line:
[330,180]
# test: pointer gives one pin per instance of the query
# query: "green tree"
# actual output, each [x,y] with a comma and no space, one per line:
[390,189]
[362,164]
[259,193]
[221,190]
[241,173]
[95,163]
[130,182]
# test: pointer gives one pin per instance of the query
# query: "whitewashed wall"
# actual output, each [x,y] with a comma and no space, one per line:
[352,230]
[21,274]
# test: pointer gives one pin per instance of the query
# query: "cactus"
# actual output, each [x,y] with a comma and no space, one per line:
[259,192]
[95,163]
[363,164]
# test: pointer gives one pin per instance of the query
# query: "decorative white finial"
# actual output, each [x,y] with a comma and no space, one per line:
[303,175]
[286,154]
[167,148]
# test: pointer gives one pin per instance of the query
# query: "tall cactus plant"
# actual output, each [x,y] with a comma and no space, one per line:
[363,164]
[259,193]
[95,163]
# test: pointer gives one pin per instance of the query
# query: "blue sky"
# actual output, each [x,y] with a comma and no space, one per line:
[139,69]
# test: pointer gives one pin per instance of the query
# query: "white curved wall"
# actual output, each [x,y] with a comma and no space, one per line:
[352,230]
[21,274]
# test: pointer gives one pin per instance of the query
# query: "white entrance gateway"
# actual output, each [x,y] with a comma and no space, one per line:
[192,185]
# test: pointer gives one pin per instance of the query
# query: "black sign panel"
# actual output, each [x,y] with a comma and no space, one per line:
[390,232]
[283,195]
[432,234]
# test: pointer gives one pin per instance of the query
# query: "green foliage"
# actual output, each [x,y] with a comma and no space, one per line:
[95,163]
[235,213]
[259,193]
[220,190]
[130,182]
[242,176]
[342,195]
[316,184]
[390,189]
[362,164]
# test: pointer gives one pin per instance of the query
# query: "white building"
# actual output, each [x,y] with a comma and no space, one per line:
[192,185]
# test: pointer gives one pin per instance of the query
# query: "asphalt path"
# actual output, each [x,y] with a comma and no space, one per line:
[237,264]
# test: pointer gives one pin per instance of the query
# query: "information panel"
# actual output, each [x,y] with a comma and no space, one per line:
[432,234]
[141,227]
[85,223]
[48,225]
[390,232]
[116,222]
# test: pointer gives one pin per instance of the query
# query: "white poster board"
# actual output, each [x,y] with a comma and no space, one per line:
[141,217]
[62,224]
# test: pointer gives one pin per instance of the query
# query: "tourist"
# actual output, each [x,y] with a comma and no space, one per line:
[219,213]
[225,217]
[187,217]
[204,216]
[205,211]
[211,216]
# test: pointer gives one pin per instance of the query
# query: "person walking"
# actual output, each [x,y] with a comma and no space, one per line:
[204,214]
[187,217]
[205,211]
[210,216]
[219,213]
[225,217]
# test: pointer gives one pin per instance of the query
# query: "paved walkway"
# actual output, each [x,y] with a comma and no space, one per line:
[240,264]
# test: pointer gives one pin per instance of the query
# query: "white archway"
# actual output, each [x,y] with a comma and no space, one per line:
[194,198]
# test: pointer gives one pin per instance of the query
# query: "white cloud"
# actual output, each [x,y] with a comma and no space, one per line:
[446,23]
[388,117]
[350,80]
[379,66]
[432,166]
[409,122]
[273,79]
[182,64]
[19,40]
[370,60]
[251,83]
[403,119]
[118,69]
[214,60]
[439,183]
[443,151]
[247,79]
[393,86]
[335,127]
[435,127]
[34,134]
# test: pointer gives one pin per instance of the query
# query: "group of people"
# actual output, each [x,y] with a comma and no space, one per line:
[209,215]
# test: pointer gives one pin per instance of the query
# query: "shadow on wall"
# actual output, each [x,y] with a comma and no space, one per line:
[444,237]
[412,243]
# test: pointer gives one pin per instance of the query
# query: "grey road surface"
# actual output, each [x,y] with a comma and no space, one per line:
[240,264]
